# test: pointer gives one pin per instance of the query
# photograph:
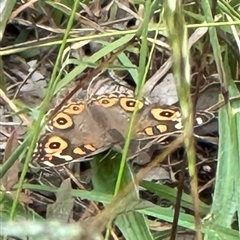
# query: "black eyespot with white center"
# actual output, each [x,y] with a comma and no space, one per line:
[166,114]
[54,145]
[130,103]
[61,121]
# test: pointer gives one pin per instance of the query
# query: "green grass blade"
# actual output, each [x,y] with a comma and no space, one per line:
[228,9]
[226,195]
[178,36]
[37,126]
[104,176]
[187,221]
[5,11]
[84,194]
[226,199]
[214,42]
[22,212]
[142,73]
[134,225]
[93,59]
[171,194]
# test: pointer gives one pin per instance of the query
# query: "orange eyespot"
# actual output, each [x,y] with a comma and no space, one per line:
[161,114]
[129,104]
[74,109]
[62,121]
[55,144]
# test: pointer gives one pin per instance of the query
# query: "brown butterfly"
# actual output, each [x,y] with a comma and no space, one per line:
[82,129]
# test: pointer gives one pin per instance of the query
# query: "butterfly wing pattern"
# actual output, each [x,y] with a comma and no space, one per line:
[82,129]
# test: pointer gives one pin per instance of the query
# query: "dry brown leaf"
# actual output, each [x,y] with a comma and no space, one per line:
[21,8]
[62,207]
[96,8]
[13,107]
[23,197]
[11,177]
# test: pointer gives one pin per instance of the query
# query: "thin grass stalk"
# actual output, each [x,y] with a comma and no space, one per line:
[141,71]
[3,84]
[227,8]
[142,75]
[46,42]
[37,126]
[215,43]
[177,30]
[119,43]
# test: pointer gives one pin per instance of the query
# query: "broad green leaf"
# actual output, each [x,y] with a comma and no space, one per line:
[22,213]
[227,194]
[63,206]
[105,172]
[171,194]
[187,221]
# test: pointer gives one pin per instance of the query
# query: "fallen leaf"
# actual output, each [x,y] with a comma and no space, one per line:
[11,177]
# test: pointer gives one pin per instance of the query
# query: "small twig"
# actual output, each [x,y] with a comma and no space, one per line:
[80,186]
[221,103]
[11,124]
[14,108]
